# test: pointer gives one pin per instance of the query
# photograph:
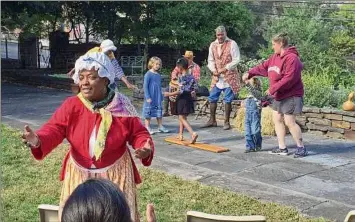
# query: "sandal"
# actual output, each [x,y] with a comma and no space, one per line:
[194,138]
[180,137]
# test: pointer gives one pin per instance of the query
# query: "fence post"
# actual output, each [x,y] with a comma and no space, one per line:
[38,41]
[7,54]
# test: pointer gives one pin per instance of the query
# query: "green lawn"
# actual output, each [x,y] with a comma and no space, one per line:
[28,183]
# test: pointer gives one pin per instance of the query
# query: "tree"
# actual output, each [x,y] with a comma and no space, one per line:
[141,22]
[192,24]
[111,21]
[81,12]
[343,37]
[37,18]
[326,76]
[306,29]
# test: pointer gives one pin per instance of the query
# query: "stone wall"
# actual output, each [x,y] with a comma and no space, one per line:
[328,122]
[200,101]
[10,63]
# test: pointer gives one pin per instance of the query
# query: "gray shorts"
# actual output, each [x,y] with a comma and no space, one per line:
[290,106]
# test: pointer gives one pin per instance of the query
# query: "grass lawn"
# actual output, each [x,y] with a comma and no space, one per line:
[28,183]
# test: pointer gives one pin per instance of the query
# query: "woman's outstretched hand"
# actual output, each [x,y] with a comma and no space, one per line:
[29,137]
[145,151]
[150,213]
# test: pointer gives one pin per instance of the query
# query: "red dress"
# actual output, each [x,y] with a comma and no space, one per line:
[74,122]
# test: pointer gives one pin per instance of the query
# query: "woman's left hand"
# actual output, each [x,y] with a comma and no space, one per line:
[144,152]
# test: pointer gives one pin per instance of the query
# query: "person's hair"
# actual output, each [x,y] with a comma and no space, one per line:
[182,63]
[256,83]
[220,28]
[281,38]
[153,60]
[96,200]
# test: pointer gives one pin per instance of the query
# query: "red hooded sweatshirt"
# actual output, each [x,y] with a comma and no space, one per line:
[284,73]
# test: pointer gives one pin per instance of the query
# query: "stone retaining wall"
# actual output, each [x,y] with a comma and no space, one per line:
[329,122]
[200,101]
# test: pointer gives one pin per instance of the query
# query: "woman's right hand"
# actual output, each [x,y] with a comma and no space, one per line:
[29,137]
[245,77]
[149,100]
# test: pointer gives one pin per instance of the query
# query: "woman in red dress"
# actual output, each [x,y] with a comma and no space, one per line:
[98,123]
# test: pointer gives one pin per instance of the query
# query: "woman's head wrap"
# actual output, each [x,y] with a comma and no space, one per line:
[97,60]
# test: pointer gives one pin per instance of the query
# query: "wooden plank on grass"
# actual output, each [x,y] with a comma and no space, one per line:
[198,145]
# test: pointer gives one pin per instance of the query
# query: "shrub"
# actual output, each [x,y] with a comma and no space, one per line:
[320,91]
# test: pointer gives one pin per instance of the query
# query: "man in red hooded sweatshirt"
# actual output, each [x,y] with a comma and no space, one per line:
[284,69]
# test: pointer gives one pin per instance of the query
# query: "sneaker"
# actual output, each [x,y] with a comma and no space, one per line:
[249,150]
[278,151]
[151,132]
[301,152]
[258,148]
[162,129]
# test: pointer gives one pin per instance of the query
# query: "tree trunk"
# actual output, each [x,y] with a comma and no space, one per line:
[111,28]
[146,53]
[118,45]
[87,34]
[139,50]
[75,31]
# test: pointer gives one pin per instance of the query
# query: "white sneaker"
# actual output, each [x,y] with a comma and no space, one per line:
[162,129]
[151,132]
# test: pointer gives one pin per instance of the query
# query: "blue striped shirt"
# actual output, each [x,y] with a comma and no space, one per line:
[118,70]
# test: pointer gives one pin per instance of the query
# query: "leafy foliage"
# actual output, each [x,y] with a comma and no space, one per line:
[325,45]
[32,17]
[192,24]
[328,75]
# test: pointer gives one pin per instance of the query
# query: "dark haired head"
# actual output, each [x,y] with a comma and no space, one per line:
[182,63]
[96,200]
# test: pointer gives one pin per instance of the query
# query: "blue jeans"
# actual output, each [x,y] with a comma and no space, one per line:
[252,124]
[216,92]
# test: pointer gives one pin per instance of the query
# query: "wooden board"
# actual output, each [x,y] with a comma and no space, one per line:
[198,145]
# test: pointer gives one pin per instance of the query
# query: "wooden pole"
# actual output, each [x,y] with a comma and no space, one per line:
[7,54]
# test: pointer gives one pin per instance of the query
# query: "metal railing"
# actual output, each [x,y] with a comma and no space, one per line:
[134,64]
